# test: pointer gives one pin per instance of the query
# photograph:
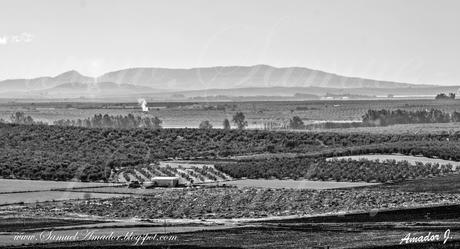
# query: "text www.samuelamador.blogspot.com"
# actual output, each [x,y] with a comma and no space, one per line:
[137,239]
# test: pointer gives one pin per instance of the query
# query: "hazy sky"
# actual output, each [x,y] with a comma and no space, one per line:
[414,41]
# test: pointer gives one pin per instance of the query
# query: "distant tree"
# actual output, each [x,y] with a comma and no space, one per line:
[239,120]
[455,117]
[296,123]
[443,96]
[106,121]
[205,125]
[226,124]
[21,118]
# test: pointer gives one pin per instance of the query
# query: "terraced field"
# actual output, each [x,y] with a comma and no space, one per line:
[187,173]
[414,160]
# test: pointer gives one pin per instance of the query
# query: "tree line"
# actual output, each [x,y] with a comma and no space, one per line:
[97,121]
[370,119]
[120,122]
[108,121]
[443,96]
[383,118]
[390,117]
[22,118]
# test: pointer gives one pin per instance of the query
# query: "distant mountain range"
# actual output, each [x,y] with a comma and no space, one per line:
[44,82]
[229,80]
[238,76]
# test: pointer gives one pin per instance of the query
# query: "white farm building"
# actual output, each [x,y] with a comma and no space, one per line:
[162,181]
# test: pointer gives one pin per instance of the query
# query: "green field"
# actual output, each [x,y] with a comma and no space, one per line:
[30,191]
[292,184]
[10,185]
[43,196]
[189,114]
[443,184]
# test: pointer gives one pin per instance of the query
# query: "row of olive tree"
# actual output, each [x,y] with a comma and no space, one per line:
[390,117]
[108,121]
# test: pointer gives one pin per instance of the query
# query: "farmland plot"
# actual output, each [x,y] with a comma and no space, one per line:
[32,197]
[293,184]
[10,185]
[410,159]
[30,191]
[127,191]
[187,173]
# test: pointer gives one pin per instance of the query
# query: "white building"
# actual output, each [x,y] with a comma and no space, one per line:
[162,181]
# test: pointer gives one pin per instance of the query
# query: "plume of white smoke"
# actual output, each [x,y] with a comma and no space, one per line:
[143,104]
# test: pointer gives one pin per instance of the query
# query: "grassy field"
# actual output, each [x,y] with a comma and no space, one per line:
[11,186]
[292,184]
[30,191]
[125,190]
[434,128]
[15,224]
[42,196]
[442,184]
[341,235]
[360,230]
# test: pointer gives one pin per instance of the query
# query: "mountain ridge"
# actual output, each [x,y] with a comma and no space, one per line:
[44,82]
[242,76]
[208,77]
[257,80]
